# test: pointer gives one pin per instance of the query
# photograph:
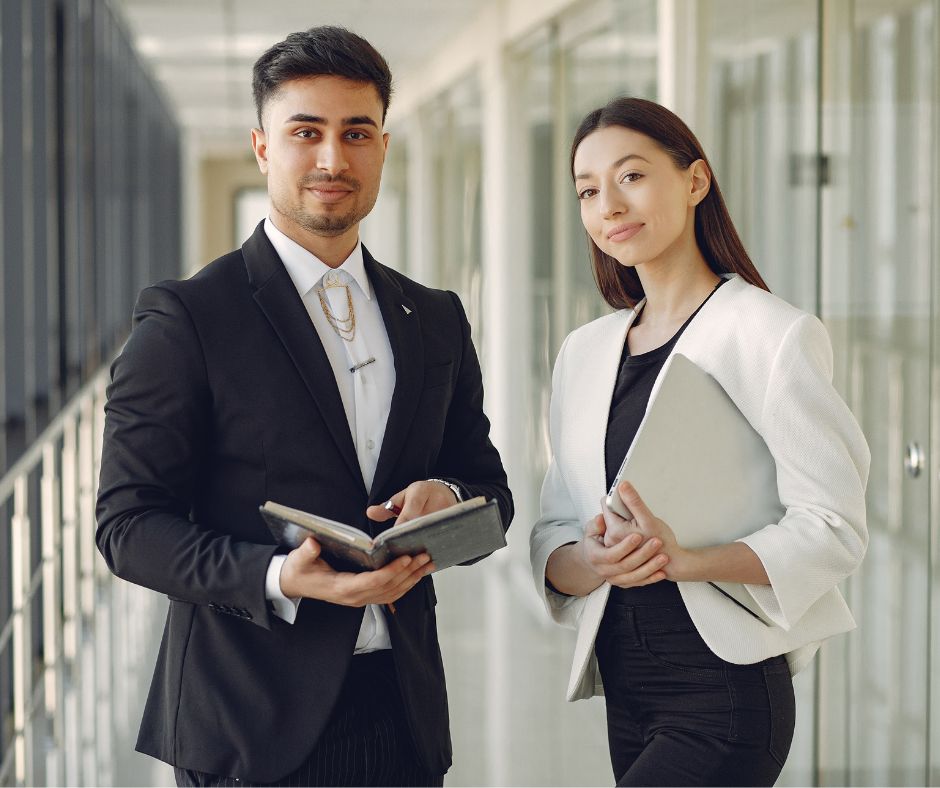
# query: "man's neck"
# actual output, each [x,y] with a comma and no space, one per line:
[332,250]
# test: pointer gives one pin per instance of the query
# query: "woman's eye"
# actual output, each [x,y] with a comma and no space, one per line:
[586,193]
[631,177]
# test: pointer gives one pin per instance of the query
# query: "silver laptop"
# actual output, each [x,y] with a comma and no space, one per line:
[700,466]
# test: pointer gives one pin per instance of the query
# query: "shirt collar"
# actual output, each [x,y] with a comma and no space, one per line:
[306,270]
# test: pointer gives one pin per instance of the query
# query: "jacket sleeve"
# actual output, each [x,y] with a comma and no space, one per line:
[558,524]
[822,469]
[156,422]
[468,457]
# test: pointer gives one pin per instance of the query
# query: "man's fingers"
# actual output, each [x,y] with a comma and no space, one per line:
[388,583]
[635,504]
[408,583]
[310,549]
[386,511]
[392,573]
[412,506]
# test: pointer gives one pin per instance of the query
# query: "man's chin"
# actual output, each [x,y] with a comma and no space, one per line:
[327,226]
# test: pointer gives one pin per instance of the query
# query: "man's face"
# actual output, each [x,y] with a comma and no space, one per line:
[322,149]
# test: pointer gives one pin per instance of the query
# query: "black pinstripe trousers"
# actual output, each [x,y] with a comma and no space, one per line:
[366,742]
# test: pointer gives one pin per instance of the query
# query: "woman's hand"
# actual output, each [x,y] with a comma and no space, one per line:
[649,526]
[733,563]
[631,559]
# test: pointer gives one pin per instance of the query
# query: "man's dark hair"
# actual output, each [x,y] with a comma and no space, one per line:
[320,51]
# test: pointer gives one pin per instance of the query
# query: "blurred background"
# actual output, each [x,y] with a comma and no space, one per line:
[126,159]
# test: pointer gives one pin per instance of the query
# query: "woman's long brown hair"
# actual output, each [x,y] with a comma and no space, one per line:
[714,231]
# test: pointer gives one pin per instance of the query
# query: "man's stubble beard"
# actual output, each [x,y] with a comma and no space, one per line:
[323,224]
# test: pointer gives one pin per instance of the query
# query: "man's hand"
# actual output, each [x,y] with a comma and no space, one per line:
[416,499]
[306,574]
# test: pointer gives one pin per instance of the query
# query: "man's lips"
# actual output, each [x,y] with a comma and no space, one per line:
[329,192]
[624,232]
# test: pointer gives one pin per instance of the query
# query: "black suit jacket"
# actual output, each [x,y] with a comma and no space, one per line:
[223,398]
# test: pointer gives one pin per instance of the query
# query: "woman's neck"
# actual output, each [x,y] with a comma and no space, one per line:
[675,289]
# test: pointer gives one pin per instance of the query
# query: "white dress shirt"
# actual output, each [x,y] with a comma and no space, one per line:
[366,392]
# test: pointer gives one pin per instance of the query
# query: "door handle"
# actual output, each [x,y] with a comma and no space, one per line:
[914,459]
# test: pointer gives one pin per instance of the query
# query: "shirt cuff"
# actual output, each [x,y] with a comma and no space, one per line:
[284,607]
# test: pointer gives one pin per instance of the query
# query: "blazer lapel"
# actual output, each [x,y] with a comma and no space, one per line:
[593,390]
[403,325]
[275,294]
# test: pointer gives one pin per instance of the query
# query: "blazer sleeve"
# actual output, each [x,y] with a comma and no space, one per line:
[822,464]
[468,457]
[558,524]
[156,422]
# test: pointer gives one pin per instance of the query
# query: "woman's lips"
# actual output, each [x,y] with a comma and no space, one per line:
[624,232]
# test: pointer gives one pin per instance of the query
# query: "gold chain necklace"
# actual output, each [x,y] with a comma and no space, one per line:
[344,327]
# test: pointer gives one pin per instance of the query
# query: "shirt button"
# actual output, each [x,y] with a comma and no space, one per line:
[370,444]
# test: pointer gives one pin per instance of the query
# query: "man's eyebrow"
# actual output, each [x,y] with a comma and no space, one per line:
[623,160]
[360,120]
[355,120]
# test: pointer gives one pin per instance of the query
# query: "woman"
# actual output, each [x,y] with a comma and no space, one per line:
[698,688]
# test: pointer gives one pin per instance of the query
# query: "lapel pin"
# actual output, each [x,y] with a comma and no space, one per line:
[407,310]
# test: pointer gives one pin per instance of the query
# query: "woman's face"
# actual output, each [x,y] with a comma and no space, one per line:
[636,204]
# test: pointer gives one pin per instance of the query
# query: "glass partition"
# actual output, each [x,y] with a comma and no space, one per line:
[890,158]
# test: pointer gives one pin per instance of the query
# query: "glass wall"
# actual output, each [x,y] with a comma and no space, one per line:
[883,227]
[762,122]
[90,202]
[89,214]
[759,127]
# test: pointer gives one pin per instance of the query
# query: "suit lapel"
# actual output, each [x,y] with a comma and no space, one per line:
[275,294]
[403,325]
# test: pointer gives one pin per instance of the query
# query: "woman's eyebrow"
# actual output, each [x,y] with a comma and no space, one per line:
[581,176]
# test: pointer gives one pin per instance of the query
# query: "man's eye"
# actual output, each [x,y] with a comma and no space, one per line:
[305,134]
[356,136]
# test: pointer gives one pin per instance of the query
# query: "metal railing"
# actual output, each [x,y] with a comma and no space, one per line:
[77,640]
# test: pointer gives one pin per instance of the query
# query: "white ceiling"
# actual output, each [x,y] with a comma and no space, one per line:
[202,51]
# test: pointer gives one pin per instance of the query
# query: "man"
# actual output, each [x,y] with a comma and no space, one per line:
[300,370]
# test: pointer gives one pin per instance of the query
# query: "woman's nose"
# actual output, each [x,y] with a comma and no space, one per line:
[611,203]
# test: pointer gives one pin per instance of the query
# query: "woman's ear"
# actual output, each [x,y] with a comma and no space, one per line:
[701,181]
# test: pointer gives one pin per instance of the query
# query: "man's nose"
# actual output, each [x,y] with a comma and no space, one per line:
[330,157]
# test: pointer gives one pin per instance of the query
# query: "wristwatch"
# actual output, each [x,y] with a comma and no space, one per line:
[453,488]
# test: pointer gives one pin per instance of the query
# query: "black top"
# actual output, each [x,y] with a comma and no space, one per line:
[627,407]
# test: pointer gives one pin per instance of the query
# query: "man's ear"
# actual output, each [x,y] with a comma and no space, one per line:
[701,182]
[259,145]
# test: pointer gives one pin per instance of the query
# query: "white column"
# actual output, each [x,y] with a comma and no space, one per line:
[683,60]
[506,359]
[421,230]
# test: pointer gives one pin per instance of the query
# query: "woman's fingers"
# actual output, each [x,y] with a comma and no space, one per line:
[595,527]
[645,574]
[632,500]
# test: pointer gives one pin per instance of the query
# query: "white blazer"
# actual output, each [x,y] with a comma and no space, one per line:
[775,362]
